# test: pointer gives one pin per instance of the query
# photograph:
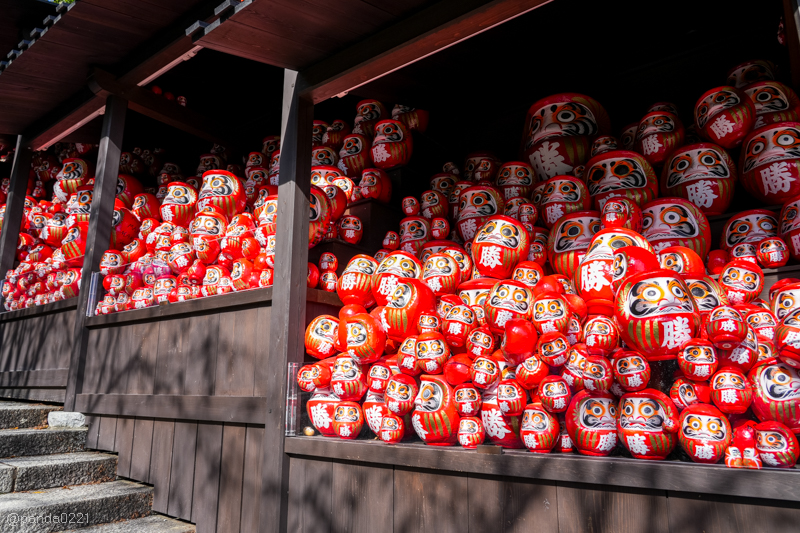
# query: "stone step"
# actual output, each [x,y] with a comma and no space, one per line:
[77,507]
[24,415]
[151,524]
[48,471]
[27,442]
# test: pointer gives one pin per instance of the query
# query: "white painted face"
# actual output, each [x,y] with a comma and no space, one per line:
[605,246]
[713,104]
[430,397]
[643,414]
[598,414]
[751,228]
[669,221]
[575,233]
[690,164]
[561,119]
[535,420]
[779,382]
[500,232]
[659,296]
[615,173]
[781,143]
[703,427]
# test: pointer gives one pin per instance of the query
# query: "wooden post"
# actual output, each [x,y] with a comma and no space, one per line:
[99,236]
[791,27]
[288,298]
[12,220]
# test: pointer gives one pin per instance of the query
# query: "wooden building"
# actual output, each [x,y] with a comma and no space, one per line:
[193,396]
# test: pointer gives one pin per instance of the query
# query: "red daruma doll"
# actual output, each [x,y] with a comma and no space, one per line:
[501,244]
[392,146]
[656,314]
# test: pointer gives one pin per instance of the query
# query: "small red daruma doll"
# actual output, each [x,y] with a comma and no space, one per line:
[621,212]
[440,228]
[507,300]
[441,274]
[676,222]
[501,243]
[485,371]
[705,433]
[550,313]
[631,370]
[476,205]
[731,392]
[457,324]
[555,394]
[742,281]
[561,196]
[431,352]
[682,260]
[724,115]
[531,372]
[539,429]
[392,146]
[511,397]
[592,422]
[348,420]
[514,179]
[570,238]
[354,155]
[321,336]
[698,359]
[553,347]
[348,381]
[647,424]
[468,399]
[656,314]
[391,241]
[600,336]
[769,163]
[434,204]
[471,432]
[659,133]
[435,419]
[776,445]
[401,391]
[363,336]
[772,252]
[350,229]
[726,328]
[396,266]
[393,429]
[598,373]
[414,233]
[321,410]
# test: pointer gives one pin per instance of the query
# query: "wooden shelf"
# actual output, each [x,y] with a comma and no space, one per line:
[39,310]
[768,483]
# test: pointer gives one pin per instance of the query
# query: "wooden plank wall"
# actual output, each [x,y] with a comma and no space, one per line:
[36,343]
[206,472]
[327,496]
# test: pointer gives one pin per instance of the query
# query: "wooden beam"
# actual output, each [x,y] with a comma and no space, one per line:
[29,379]
[15,203]
[791,17]
[71,122]
[288,297]
[232,409]
[99,236]
[772,483]
[431,30]
[159,108]
[39,310]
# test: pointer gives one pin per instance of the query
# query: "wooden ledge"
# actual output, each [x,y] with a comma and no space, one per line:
[39,310]
[201,305]
[768,483]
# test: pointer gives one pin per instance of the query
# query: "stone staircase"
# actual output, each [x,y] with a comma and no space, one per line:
[48,482]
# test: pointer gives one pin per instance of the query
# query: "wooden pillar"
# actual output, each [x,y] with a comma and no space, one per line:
[288,298]
[791,21]
[12,220]
[99,236]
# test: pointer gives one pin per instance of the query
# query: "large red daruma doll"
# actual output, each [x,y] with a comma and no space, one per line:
[724,115]
[774,101]
[776,397]
[570,238]
[676,222]
[410,299]
[319,215]
[394,267]
[704,174]
[222,190]
[559,130]
[769,162]
[620,173]
[501,244]
[593,277]
[592,422]
[656,314]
